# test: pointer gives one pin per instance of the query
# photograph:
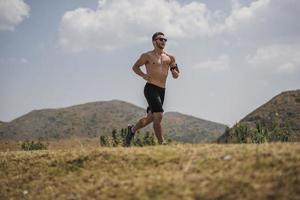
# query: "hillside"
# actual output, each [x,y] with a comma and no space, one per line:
[100,118]
[206,171]
[280,115]
[191,129]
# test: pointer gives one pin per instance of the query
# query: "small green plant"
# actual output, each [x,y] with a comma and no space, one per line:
[117,138]
[104,141]
[148,139]
[138,140]
[32,145]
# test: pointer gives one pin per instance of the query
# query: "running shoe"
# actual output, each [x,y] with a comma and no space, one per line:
[129,136]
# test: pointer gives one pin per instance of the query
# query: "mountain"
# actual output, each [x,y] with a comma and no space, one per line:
[100,118]
[191,129]
[280,115]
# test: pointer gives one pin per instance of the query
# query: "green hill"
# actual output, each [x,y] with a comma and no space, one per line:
[199,171]
[100,118]
[277,119]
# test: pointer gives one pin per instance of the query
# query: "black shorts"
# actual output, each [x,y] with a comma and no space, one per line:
[155,96]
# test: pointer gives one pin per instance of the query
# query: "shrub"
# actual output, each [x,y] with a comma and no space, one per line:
[104,141]
[259,135]
[117,138]
[32,145]
[241,132]
[148,139]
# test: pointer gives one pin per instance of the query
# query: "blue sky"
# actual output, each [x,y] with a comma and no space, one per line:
[234,55]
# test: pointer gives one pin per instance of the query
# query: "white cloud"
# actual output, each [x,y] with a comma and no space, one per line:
[219,64]
[283,58]
[12,13]
[242,15]
[119,23]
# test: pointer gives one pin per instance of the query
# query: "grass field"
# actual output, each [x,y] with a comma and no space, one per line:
[182,171]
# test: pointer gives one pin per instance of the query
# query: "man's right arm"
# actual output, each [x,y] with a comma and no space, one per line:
[140,62]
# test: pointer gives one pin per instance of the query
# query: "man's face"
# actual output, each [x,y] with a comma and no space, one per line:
[160,41]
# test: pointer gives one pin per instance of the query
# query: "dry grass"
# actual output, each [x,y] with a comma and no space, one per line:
[54,144]
[203,171]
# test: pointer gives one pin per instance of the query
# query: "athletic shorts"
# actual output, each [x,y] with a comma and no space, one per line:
[155,96]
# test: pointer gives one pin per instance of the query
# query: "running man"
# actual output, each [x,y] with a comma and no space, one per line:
[157,62]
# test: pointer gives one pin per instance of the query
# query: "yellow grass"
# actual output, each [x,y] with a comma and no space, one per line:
[202,171]
[54,144]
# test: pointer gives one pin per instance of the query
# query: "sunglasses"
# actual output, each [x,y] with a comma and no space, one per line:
[162,39]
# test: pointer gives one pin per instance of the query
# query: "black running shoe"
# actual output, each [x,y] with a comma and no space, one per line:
[129,136]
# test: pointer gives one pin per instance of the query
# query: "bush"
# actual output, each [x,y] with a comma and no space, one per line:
[32,145]
[117,138]
[241,132]
[104,141]
[259,135]
[148,139]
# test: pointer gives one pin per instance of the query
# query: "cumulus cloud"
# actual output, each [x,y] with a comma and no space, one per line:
[242,15]
[12,13]
[118,23]
[282,58]
[220,63]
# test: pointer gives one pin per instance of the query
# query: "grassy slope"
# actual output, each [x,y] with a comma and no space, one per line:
[267,171]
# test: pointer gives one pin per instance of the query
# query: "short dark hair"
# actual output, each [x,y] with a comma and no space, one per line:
[157,34]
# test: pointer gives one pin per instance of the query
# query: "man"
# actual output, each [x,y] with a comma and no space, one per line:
[157,62]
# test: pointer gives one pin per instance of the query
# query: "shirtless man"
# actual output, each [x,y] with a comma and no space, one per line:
[158,63]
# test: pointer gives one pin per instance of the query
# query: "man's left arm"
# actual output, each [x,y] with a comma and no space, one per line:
[173,67]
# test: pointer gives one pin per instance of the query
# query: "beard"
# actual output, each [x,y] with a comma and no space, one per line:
[160,46]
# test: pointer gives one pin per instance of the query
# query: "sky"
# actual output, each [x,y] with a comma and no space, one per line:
[233,55]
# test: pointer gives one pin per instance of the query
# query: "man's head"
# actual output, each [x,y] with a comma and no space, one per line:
[159,40]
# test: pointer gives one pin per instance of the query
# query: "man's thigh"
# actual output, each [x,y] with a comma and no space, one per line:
[149,116]
[157,116]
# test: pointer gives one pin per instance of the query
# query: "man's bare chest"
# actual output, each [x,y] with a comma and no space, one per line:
[159,61]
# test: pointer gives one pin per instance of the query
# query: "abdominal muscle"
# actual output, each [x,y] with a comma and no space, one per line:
[158,74]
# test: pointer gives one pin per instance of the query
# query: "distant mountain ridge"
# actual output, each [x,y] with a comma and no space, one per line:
[280,114]
[100,118]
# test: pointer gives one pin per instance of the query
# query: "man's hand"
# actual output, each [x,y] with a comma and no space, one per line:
[136,67]
[146,77]
[174,70]
[175,73]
